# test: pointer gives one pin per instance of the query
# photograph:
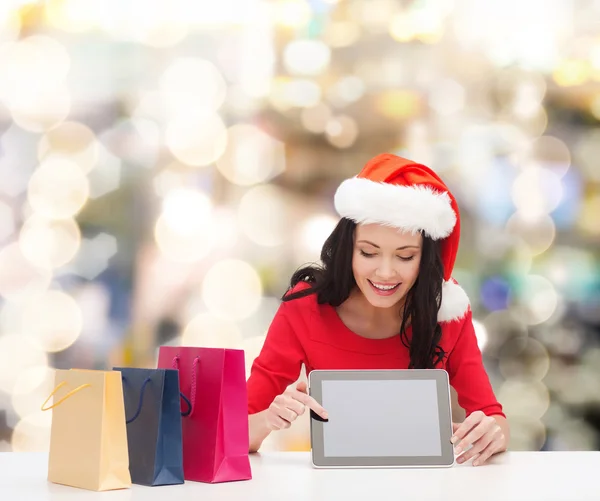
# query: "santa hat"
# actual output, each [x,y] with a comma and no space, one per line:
[397,192]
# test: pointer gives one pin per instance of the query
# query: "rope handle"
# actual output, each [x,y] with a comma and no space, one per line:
[141,401]
[192,403]
[70,394]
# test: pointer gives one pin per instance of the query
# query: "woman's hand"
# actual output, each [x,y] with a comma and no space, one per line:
[286,407]
[483,433]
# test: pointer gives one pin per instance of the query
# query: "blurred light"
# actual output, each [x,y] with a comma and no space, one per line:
[192,88]
[348,89]
[52,321]
[106,176]
[252,156]
[342,33]
[536,192]
[495,205]
[10,24]
[169,179]
[300,93]
[94,255]
[7,221]
[501,327]
[521,91]
[73,16]
[58,189]
[32,83]
[49,243]
[595,107]
[402,27]
[209,331]
[342,131]
[32,387]
[232,289]
[187,247]
[197,141]
[534,300]
[252,347]
[575,435]
[398,104]
[572,72]
[263,216]
[291,13]
[552,155]
[137,141]
[32,67]
[18,159]
[184,232]
[588,220]
[315,230]
[32,433]
[524,399]
[42,111]
[256,66]
[186,210]
[72,140]
[447,97]
[523,358]
[587,151]
[16,356]
[481,334]
[573,271]
[422,22]
[526,433]
[566,214]
[156,24]
[494,293]
[306,57]
[19,278]
[315,119]
[538,233]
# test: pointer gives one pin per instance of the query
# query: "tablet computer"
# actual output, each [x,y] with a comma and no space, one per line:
[381,418]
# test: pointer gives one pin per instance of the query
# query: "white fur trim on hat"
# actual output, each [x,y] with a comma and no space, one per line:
[413,208]
[455,302]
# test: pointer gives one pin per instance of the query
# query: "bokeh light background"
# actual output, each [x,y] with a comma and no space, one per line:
[166,165]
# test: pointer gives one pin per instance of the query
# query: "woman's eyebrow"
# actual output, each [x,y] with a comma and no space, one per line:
[399,248]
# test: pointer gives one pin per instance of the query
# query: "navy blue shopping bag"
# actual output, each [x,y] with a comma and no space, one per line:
[154,436]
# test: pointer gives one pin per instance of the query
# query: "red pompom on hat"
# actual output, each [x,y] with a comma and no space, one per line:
[397,192]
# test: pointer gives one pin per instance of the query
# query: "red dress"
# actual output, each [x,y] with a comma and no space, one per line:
[305,332]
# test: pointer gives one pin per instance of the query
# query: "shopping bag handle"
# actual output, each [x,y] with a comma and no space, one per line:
[141,401]
[192,403]
[70,394]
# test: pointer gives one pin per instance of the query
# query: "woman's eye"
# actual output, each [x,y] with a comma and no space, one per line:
[365,254]
[406,258]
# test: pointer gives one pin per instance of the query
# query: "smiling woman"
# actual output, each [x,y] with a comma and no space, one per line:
[383,298]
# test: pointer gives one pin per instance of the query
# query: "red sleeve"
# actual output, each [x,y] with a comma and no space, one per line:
[468,375]
[278,365]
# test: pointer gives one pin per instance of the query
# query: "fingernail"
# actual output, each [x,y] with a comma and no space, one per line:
[475,463]
[453,439]
[325,415]
[458,450]
[460,460]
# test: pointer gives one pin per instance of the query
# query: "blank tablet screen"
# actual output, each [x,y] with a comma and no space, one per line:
[381,418]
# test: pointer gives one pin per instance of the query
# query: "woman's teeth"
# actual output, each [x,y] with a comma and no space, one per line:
[384,287]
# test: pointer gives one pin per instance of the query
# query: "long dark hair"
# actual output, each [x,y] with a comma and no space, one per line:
[333,281]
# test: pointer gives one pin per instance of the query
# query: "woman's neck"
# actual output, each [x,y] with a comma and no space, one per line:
[367,320]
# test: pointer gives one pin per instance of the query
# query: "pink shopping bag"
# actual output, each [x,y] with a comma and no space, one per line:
[215,431]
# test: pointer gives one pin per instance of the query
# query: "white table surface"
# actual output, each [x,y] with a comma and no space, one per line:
[289,476]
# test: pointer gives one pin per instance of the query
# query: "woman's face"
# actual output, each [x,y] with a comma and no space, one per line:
[385,263]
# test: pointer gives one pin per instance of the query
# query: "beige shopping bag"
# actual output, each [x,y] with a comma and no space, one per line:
[88,440]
